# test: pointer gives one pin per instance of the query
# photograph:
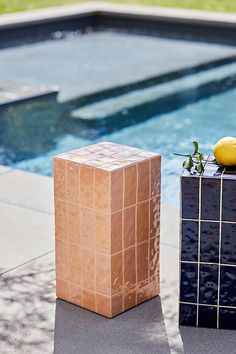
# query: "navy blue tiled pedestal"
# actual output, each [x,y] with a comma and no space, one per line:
[208,248]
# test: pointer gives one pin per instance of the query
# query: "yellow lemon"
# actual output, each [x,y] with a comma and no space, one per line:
[225,151]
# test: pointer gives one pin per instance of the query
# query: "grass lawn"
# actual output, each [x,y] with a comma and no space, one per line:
[7,6]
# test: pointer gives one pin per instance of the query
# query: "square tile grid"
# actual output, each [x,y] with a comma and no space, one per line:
[208,248]
[107,216]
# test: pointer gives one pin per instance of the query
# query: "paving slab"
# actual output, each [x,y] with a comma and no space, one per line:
[104,60]
[25,234]
[32,321]
[27,302]
[27,190]
[4,169]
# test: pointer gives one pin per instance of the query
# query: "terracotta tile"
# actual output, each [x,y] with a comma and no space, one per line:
[116,273]
[102,233]
[155,216]
[143,181]
[116,190]
[60,178]
[88,269]
[75,294]
[102,190]
[101,213]
[130,185]
[74,263]
[142,221]
[62,289]
[129,267]
[88,299]
[142,261]
[60,220]
[116,304]
[87,186]
[154,286]
[129,299]
[103,304]
[72,182]
[155,175]
[73,223]
[87,228]
[103,274]
[143,291]
[116,232]
[153,256]
[61,259]
[129,226]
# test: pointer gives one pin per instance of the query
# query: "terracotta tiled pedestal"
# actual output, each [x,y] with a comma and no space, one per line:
[208,248]
[107,211]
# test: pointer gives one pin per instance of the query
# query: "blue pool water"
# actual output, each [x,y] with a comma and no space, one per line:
[162,117]
[40,131]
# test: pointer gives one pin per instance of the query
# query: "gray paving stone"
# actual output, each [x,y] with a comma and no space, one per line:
[140,330]
[24,234]
[27,190]
[4,169]
[27,302]
[32,321]
[98,61]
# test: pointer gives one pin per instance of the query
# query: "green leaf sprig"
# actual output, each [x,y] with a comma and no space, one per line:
[195,159]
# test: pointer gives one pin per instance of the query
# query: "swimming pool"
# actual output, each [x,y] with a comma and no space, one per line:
[162,118]
[30,143]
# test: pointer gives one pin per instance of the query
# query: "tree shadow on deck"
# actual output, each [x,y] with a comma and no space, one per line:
[27,303]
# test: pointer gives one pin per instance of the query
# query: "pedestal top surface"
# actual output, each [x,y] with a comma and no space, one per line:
[108,156]
[213,170]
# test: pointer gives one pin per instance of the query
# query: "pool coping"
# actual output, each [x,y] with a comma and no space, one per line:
[195,24]
[99,8]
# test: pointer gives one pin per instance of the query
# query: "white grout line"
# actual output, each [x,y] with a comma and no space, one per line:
[207,305]
[216,221]
[199,248]
[220,237]
[209,263]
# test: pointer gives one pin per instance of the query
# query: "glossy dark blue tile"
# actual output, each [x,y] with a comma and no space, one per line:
[188,282]
[228,243]
[228,286]
[208,284]
[227,318]
[210,199]
[229,200]
[207,316]
[190,197]
[189,246]
[209,242]
[187,315]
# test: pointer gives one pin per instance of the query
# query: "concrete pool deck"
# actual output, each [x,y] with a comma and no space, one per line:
[33,321]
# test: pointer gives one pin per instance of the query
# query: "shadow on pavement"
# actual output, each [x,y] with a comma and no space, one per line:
[207,341]
[139,330]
